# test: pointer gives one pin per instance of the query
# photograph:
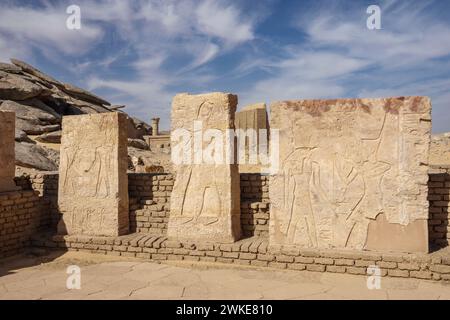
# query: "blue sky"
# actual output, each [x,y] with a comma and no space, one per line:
[141,53]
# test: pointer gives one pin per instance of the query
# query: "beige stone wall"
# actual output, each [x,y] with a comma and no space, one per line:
[440,149]
[7,156]
[205,197]
[252,117]
[353,174]
[93,182]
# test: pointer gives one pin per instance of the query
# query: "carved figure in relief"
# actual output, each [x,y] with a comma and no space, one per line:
[202,198]
[330,190]
[88,169]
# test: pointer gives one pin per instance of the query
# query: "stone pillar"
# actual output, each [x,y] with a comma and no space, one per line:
[7,153]
[155,126]
[205,201]
[252,117]
[93,181]
[353,174]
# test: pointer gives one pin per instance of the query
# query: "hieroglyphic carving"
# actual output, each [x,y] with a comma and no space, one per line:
[205,197]
[93,182]
[7,156]
[344,163]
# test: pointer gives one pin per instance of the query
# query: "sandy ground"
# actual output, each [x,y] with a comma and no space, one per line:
[106,277]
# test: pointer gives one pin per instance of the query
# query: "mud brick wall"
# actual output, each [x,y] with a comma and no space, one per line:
[20,218]
[46,186]
[256,252]
[149,202]
[439,197]
[255,205]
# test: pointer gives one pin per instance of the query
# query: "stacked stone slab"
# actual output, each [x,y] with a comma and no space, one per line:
[353,174]
[7,157]
[93,182]
[205,202]
[252,117]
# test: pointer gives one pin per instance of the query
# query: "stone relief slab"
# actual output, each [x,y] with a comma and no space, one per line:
[348,169]
[93,181]
[205,201]
[7,155]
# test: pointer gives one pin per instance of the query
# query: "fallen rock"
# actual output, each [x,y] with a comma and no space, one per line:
[33,114]
[138,144]
[35,72]
[30,127]
[51,137]
[40,101]
[137,129]
[83,94]
[33,156]
[14,87]
[10,68]
[21,136]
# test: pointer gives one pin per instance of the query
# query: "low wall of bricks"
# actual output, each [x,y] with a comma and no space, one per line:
[20,218]
[256,252]
[149,196]
[45,184]
[439,197]
[149,213]
[255,205]
[150,203]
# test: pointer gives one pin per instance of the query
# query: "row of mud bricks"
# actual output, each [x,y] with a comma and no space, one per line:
[439,198]
[257,253]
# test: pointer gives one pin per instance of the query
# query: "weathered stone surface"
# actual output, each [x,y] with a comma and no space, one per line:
[345,162]
[40,101]
[252,117]
[138,144]
[93,182]
[14,87]
[51,137]
[137,129]
[10,68]
[21,136]
[440,149]
[33,128]
[7,168]
[35,72]
[84,95]
[30,113]
[205,201]
[30,155]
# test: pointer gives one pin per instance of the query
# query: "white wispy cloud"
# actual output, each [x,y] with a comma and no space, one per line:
[44,29]
[140,53]
[342,58]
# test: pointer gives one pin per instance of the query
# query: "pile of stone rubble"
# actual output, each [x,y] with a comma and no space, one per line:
[40,102]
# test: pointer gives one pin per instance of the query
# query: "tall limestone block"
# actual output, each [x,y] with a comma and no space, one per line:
[93,181]
[353,174]
[253,117]
[7,157]
[205,201]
